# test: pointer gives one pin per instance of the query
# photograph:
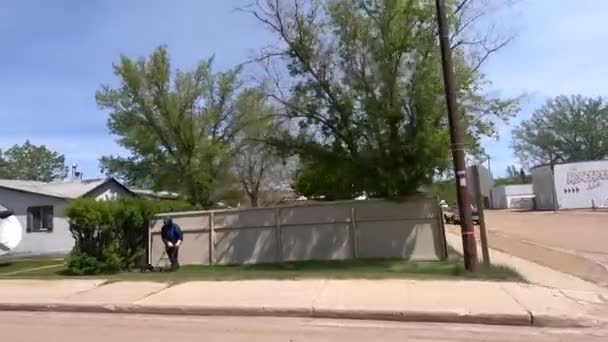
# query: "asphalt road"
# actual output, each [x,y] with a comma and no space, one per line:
[569,241]
[583,232]
[77,327]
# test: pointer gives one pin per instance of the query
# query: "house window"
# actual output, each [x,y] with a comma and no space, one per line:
[40,219]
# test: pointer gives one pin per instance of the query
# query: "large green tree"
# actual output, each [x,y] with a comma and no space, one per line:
[32,162]
[365,102]
[258,165]
[179,126]
[565,129]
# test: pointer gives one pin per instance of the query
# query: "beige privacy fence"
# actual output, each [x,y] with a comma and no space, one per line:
[411,229]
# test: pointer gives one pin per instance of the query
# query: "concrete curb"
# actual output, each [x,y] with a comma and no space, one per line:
[545,320]
[389,315]
[427,317]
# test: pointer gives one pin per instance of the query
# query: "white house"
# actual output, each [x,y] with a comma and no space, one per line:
[39,207]
[516,196]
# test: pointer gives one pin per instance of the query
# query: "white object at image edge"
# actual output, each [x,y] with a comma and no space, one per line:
[10,234]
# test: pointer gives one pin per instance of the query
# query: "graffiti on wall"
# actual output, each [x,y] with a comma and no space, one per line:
[591,178]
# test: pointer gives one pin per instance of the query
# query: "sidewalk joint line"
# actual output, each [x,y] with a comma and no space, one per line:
[104,282]
[530,314]
[167,286]
[324,283]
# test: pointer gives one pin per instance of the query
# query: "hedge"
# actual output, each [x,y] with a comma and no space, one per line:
[111,236]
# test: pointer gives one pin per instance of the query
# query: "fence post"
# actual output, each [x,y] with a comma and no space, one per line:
[149,242]
[353,233]
[277,218]
[440,217]
[211,239]
[482,219]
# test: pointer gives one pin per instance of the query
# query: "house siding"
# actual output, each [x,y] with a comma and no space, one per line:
[108,191]
[59,241]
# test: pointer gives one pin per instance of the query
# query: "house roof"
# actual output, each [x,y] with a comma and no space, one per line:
[67,189]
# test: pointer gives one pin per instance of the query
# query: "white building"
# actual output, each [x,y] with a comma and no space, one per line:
[486,182]
[39,207]
[573,186]
[516,196]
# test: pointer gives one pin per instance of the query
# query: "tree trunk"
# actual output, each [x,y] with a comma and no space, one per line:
[253,199]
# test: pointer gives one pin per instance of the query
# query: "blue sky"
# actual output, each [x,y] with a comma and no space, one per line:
[56,54]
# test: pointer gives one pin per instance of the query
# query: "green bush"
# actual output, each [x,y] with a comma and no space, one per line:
[82,264]
[111,236]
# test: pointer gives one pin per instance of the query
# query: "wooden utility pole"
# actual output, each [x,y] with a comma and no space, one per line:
[491,205]
[482,219]
[553,186]
[457,139]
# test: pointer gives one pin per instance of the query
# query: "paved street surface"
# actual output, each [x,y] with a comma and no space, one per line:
[583,232]
[533,272]
[571,242]
[36,327]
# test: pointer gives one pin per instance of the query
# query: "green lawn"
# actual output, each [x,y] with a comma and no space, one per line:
[342,269]
[13,267]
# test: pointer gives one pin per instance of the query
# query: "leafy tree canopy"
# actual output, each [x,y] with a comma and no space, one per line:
[514,176]
[179,126]
[258,165]
[365,96]
[565,129]
[32,162]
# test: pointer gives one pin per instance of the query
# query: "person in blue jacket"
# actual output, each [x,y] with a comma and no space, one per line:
[172,236]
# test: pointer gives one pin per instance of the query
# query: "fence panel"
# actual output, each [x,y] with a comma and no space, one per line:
[245,245]
[195,247]
[316,242]
[410,229]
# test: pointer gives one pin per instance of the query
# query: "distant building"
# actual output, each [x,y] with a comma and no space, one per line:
[486,181]
[516,196]
[581,185]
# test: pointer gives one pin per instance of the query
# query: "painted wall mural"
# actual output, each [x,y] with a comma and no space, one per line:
[582,185]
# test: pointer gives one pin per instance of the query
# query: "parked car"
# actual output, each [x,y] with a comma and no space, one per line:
[452,216]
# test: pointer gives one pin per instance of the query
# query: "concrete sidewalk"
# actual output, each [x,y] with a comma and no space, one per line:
[396,300]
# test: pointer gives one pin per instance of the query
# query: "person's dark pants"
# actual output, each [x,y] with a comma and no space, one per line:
[173,254]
